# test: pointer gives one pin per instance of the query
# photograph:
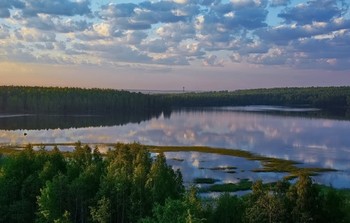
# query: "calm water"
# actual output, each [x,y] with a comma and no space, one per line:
[293,134]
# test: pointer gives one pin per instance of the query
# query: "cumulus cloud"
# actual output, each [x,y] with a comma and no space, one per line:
[248,3]
[155,46]
[4,32]
[33,35]
[53,23]
[142,16]
[6,5]
[56,7]
[172,60]
[114,52]
[324,51]
[178,32]
[276,3]
[212,60]
[274,56]
[285,33]
[175,32]
[312,11]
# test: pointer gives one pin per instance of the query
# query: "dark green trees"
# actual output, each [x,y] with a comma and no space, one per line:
[44,186]
[106,101]
[268,205]
[229,209]
[133,184]
[302,202]
[21,179]
[184,209]
[128,185]
[163,182]
[43,100]
[320,97]
[306,201]
[53,200]
[282,202]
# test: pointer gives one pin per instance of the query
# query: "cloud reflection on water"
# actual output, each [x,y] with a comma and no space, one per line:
[314,142]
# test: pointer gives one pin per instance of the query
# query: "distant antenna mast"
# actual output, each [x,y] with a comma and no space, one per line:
[183,89]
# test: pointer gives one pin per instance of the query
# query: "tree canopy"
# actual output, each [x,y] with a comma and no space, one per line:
[128,185]
[320,97]
[65,100]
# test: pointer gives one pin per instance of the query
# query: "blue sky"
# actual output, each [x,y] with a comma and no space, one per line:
[199,44]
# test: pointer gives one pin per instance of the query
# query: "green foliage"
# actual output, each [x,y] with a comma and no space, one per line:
[127,185]
[133,183]
[306,200]
[173,211]
[64,219]
[107,101]
[322,97]
[76,100]
[334,206]
[187,209]
[102,212]
[299,203]
[53,199]
[23,175]
[265,206]
[229,209]
[163,182]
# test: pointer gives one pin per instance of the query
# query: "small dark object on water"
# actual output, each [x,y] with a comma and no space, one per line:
[25,134]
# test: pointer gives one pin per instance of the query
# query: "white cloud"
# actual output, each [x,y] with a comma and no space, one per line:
[53,23]
[276,3]
[212,60]
[177,32]
[248,3]
[312,11]
[181,1]
[34,35]
[102,29]
[56,7]
[4,32]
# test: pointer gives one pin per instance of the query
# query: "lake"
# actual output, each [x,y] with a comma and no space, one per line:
[308,136]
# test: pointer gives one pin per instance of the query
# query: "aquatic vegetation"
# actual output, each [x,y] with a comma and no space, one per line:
[268,164]
[242,185]
[205,180]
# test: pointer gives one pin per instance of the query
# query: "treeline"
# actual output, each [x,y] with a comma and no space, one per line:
[123,186]
[57,100]
[320,97]
[76,101]
[128,185]
[106,101]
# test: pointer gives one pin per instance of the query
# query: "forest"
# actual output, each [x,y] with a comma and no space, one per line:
[56,100]
[129,184]
[319,97]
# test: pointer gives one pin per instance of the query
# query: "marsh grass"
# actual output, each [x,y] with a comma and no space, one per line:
[205,180]
[177,159]
[242,185]
[223,168]
[268,164]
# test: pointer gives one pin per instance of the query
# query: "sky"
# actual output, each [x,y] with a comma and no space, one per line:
[171,44]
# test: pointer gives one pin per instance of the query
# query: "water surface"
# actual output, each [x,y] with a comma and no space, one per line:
[269,131]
